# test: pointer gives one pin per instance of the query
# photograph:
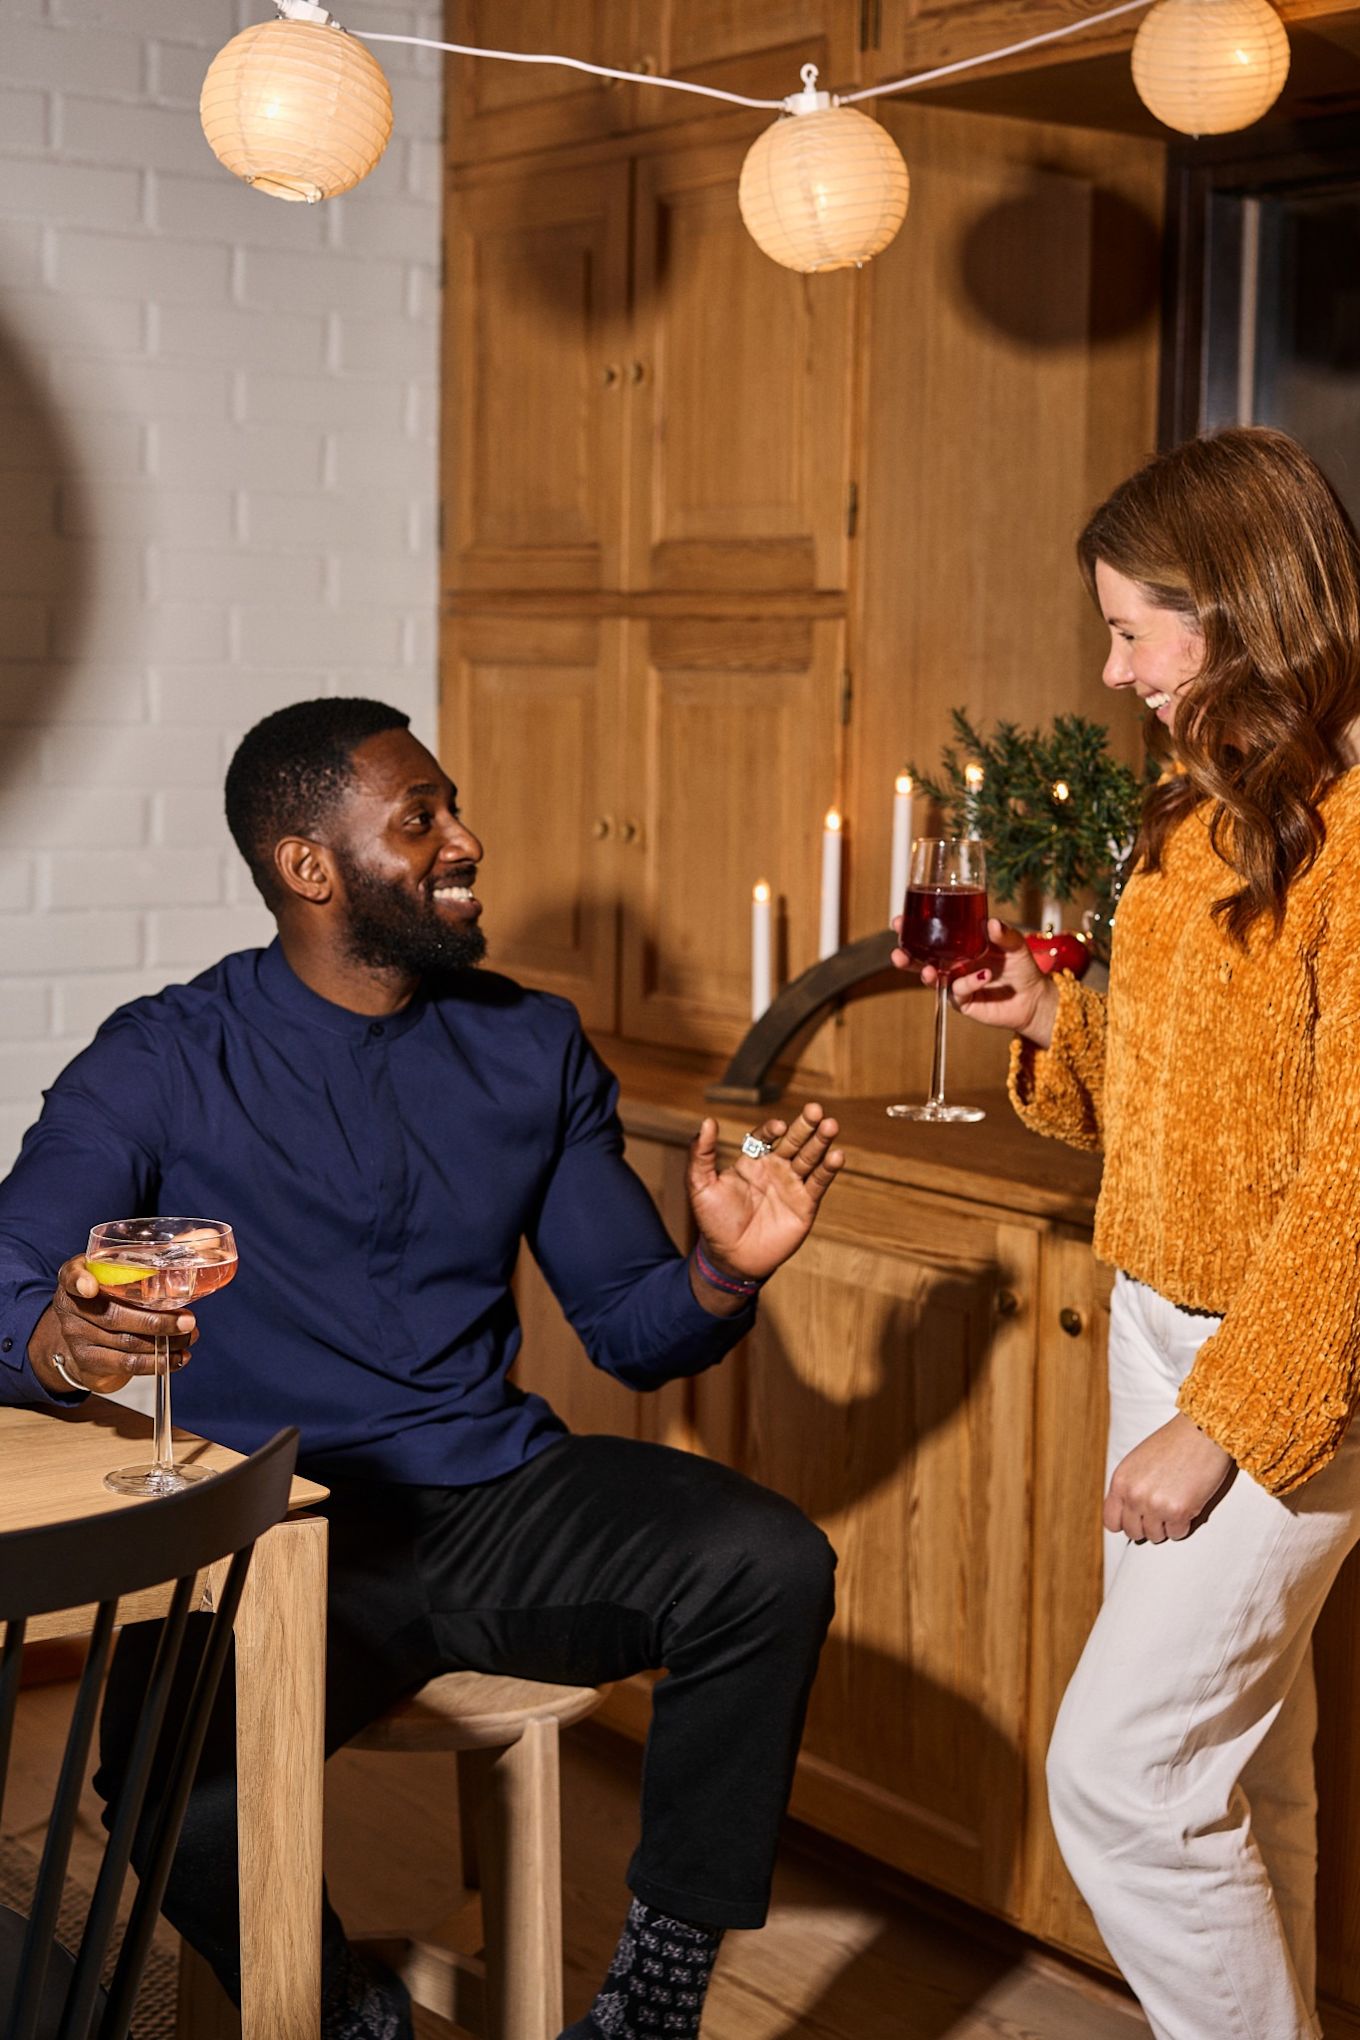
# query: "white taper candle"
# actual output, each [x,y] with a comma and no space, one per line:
[901,843]
[973,776]
[829,920]
[762,950]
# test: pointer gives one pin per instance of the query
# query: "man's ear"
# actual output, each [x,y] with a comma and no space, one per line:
[305,869]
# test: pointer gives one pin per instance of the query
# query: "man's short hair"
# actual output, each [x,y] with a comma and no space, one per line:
[291,769]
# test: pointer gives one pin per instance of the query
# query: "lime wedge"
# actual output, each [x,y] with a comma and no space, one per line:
[115,1274]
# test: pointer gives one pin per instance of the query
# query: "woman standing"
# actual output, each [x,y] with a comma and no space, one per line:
[1221,1076]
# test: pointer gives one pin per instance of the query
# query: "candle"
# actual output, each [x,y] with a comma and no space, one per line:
[973,777]
[1050,915]
[901,843]
[762,950]
[829,923]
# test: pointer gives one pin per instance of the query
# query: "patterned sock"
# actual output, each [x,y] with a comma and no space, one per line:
[362,1999]
[657,1981]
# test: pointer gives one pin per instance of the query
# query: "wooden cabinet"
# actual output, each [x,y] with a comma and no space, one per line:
[740,456]
[887,1390]
[535,391]
[694,436]
[727,728]
[908,1386]
[530,730]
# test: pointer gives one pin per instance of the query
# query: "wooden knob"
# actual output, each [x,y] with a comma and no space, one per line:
[609,375]
[601,827]
[636,372]
[1072,1322]
[628,831]
[1007,1304]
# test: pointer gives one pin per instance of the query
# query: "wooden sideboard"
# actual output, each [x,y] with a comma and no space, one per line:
[927,1381]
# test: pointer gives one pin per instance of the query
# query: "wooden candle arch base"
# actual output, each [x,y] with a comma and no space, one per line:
[746,1080]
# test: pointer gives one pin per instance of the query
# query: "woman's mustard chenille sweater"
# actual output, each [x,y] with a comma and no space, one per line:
[1224,1088]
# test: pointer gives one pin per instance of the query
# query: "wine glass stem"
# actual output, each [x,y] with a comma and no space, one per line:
[937,1064]
[164,1448]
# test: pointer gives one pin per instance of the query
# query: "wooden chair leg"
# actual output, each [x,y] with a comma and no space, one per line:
[520,1833]
[471,1784]
[204,2010]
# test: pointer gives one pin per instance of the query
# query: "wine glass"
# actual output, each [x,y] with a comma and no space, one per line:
[162,1264]
[944,923]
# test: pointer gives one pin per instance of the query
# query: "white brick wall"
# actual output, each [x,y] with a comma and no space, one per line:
[217,489]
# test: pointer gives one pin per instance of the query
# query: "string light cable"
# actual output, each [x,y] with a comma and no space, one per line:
[300,109]
[793,103]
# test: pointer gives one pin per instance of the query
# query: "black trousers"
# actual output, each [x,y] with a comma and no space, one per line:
[600,1558]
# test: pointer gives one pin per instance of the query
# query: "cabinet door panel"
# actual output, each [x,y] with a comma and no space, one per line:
[534,400]
[888,1396]
[741,407]
[916,35]
[500,109]
[1071,1418]
[757,49]
[729,735]
[528,737]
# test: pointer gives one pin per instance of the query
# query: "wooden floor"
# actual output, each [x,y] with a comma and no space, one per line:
[844,1957]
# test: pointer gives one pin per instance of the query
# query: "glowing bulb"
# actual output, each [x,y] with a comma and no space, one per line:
[760,891]
[825,187]
[833,818]
[902,783]
[1208,67]
[973,776]
[296,108]
[1061,790]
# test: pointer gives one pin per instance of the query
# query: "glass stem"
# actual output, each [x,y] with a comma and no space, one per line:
[937,1063]
[164,1449]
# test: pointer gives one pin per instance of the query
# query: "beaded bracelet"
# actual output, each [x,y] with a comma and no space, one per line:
[733,1285]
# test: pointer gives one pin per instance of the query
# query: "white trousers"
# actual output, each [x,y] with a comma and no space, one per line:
[1181,1768]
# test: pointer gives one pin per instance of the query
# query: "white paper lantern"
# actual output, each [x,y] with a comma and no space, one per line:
[296,108]
[823,189]
[1208,67]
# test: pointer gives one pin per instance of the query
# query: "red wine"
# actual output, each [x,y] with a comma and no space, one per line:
[945,925]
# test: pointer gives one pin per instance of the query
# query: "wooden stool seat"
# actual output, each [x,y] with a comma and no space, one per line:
[474,1711]
[496,1968]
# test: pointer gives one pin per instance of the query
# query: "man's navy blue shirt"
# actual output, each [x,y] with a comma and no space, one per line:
[380,1175]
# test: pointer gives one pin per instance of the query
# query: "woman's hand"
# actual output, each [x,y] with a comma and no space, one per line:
[1007,989]
[1162,1488]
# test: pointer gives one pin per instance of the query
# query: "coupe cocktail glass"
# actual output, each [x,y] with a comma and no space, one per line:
[161,1264]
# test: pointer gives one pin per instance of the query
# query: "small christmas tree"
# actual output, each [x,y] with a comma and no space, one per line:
[1054,809]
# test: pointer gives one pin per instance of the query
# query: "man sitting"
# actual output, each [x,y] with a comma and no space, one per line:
[384,1126]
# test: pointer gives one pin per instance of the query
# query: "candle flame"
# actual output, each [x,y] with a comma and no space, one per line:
[1061,790]
[761,890]
[902,782]
[973,776]
[833,819]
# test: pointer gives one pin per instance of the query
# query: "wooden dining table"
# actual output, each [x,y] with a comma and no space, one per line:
[52,1467]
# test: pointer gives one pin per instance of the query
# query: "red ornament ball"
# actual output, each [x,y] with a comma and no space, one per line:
[1060,949]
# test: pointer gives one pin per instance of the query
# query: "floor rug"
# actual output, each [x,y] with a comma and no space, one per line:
[154,2018]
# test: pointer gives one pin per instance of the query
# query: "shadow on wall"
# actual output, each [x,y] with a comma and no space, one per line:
[1061,264]
[46,560]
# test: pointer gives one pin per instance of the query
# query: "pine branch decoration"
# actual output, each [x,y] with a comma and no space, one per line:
[1037,835]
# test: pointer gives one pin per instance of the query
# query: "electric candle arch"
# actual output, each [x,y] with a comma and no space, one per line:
[300,110]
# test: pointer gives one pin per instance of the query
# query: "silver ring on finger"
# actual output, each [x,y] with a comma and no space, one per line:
[756,1147]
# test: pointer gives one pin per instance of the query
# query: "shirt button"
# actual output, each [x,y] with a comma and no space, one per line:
[376,1031]
[5,1345]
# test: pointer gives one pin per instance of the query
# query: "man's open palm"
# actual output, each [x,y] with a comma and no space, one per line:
[756,1213]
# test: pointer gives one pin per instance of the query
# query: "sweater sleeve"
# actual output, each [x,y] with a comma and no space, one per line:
[1058,1090]
[1277,1382]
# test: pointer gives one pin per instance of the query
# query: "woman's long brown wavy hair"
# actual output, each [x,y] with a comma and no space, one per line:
[1241,534]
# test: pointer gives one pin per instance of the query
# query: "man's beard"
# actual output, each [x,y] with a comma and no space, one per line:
[386,929]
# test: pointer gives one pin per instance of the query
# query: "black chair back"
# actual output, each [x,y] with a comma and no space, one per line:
[46,1991]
